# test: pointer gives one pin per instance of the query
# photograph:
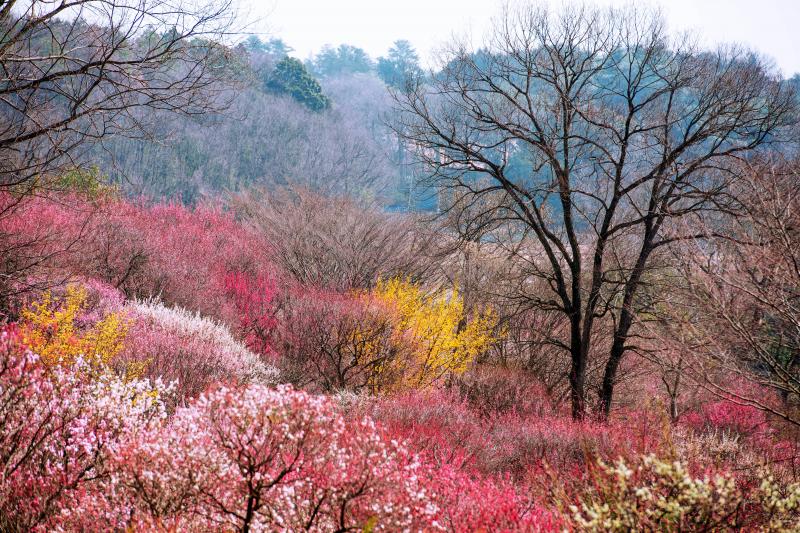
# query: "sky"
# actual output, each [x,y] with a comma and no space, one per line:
[770,26]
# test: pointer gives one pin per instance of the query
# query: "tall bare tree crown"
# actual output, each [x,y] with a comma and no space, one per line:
[72,72]
[587,134]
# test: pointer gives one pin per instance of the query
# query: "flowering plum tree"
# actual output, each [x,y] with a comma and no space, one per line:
[59,427]
[195,351]
[254,300]
[260,458]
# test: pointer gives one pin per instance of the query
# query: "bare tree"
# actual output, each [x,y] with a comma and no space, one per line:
[74,71]
[591,133]
[531,341]
[331,342]
[743,297]
[335,242]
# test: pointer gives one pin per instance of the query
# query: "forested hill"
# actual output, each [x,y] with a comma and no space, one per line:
[323,123]
[320,124]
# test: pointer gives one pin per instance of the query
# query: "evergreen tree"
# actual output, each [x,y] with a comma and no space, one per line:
[291,78]
[345,59]
[401,63]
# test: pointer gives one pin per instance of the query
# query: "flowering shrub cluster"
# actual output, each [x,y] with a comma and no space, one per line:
[430,431]
[394,337]
[448,431]
[60,429]
[442,339]
[725,415]
[659,495]
[184,256]
[52,330]
[474,503]
[41,243]
[259,458]
[182,346]
[93,452]
[139,338]
[181,255]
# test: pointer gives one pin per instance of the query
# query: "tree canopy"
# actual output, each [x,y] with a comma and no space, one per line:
[344,59]
[291,78]
[399,64]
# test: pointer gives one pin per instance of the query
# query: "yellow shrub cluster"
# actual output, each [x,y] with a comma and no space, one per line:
[442,339]
[50,329]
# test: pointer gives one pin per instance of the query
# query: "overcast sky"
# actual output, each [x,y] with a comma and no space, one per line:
[771,26]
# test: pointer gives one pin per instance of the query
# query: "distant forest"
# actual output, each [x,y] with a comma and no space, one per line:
[324,123]
[321,123]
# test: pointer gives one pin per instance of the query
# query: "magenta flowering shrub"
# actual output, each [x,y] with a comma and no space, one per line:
[41,244]
[475,503]
[179,254]
[726,415]
[254,300]
[451,432]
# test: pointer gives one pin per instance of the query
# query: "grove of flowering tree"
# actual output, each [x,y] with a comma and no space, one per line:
[148,396]
[598,330]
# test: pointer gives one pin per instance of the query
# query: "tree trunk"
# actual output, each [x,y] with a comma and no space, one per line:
[612,366]
[577,375]
[625,321]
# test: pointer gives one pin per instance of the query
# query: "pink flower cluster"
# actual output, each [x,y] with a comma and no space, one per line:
[254,300]
[277,459]
[448,431]
[181,255]
[85,452]
[726,415]
[60,429]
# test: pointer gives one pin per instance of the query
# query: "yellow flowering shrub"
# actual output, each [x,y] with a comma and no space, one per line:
[50,328]
[443,340]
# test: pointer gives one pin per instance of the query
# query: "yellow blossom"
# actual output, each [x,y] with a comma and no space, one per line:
[443,339]
[51,330]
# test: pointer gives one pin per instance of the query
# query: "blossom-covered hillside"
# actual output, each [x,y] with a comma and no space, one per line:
[173,377]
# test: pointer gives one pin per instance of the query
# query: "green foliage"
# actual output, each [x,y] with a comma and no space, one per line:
[400,64]
[89,182]
[291,78]
[345,59]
